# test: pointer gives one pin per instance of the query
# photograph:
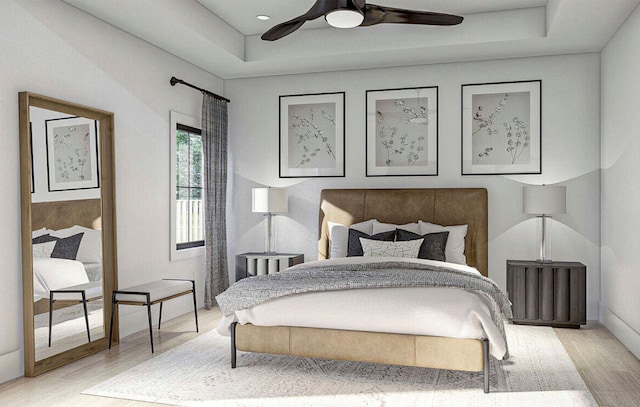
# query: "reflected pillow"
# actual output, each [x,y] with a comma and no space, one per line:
[433,245]
[90,250]
[43,250]
[354,247]
[65,248]
[407,249]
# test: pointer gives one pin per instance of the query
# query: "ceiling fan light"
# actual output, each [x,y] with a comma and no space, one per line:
[344,18]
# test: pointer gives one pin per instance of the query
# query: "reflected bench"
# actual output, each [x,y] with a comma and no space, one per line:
[81,293]
[152,293]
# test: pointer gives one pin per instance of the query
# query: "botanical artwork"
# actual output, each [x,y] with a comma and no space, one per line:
[312,135]
[402,131]
[501,128]
[72,153]
[501,125]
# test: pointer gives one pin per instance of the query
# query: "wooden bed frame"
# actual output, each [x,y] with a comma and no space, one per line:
[446,206]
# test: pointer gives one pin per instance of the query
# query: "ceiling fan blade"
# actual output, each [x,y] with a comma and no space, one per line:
[375,14]
[319,8]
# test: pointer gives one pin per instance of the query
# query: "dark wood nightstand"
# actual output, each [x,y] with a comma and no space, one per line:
[553,294]
[255,264]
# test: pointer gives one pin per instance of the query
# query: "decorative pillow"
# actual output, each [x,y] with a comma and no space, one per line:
[40,232]
[454,252]
[90,250]
[385,227]
[354,247]
[408,248]
[433,247]
[339,236]
[43,249]
[65,248]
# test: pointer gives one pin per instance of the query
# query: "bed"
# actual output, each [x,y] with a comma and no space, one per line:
[467,352]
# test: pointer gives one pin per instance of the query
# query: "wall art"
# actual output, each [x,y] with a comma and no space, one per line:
[501,128]
[402,132]
[72,153]
[312,135]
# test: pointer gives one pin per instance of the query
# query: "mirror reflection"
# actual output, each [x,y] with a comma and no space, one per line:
[66,232]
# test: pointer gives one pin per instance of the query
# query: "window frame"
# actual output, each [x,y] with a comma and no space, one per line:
[190,249]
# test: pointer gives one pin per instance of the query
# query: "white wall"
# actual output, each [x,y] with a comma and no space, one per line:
[571,156]
[51,48]
[620,302]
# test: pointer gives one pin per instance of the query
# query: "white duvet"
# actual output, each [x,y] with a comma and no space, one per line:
[432,311]
[52,274]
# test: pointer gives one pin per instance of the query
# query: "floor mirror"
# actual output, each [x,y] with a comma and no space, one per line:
[69,266]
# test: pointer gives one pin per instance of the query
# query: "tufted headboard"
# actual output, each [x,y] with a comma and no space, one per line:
[443,206]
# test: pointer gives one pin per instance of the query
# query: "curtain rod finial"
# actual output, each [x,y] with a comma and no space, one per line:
[174,80]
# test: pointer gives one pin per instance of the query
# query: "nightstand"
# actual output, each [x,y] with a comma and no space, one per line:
[256,264]
[552,294]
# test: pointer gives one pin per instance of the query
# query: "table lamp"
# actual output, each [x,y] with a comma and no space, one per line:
[544,200]
[269,201]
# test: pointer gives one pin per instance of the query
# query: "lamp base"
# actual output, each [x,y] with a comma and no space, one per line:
[544,261]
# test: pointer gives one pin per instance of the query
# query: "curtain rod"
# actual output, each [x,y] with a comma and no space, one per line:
[175,80]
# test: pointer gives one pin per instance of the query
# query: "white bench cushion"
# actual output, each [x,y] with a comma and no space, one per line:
[156,289]
[92,290]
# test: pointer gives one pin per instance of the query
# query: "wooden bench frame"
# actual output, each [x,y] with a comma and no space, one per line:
[148,303]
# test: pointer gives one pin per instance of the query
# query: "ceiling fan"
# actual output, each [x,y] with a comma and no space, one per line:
[353,13]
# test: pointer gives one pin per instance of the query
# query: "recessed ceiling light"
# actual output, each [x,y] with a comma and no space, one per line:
[263,17]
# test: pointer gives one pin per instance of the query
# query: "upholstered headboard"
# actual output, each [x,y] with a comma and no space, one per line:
[443,206]
[64,214]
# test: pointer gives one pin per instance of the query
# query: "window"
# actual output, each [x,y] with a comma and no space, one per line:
[187,181]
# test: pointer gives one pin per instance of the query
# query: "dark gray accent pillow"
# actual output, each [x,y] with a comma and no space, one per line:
[433,246]
[65,248]
[354,247]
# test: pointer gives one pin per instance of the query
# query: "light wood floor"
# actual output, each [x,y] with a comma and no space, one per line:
[607,367]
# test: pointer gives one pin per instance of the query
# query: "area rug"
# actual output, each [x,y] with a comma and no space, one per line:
[197,373]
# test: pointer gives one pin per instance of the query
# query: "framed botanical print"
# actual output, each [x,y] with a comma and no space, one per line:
[501,128]
[312,135]
[402,132]
[72,153]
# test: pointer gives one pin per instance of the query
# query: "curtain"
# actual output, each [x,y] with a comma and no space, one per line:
[214,145]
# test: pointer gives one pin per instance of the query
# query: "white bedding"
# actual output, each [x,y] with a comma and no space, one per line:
[432,311]
[52,274]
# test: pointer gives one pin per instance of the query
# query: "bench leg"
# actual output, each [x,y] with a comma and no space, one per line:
[195,305]
[113,309]
[149,315]
[160,317]
[485,369]
[86,315]
[233,345]
[50,315]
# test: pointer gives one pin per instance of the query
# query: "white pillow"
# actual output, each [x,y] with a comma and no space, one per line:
[386,227]
[339,236]
[40,232]
[43,250]
[454,251]
[90,250]
[409,248]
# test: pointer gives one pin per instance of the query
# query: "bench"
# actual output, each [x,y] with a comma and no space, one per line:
[153,293]
[81,293]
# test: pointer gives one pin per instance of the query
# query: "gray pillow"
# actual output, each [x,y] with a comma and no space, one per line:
[65,248]
[433,246]
[354,247]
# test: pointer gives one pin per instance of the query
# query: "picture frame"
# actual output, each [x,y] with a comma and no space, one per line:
[501,128]
[402,132]
[312,135]
[72,153]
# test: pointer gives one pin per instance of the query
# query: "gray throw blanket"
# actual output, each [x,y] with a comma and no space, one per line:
[316,277]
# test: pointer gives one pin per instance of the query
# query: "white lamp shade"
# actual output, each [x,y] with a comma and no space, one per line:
[544,200]
[344,18]
[269,200]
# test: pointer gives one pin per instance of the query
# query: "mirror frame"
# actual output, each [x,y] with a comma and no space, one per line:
[109,254]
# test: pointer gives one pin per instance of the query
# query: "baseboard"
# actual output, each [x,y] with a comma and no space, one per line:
[625,334]
[11,366]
